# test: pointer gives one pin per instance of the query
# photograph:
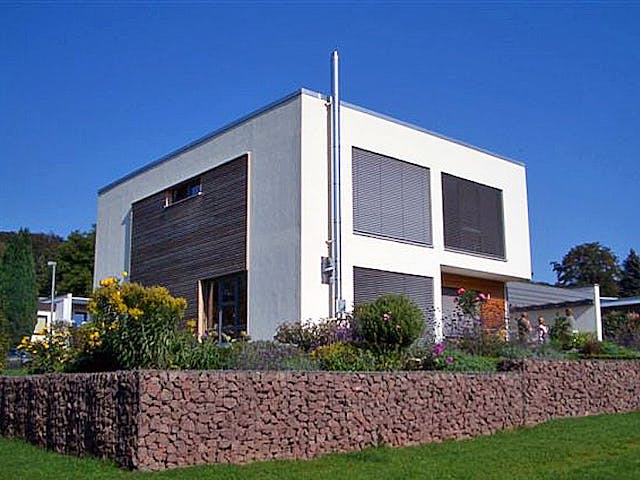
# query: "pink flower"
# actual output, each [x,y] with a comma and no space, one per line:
[398,327]
[449,360]
[438,349]
[461,291]
[386,317]
[482,297]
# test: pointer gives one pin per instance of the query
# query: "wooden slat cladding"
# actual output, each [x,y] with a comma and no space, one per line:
[494,310]
[198,238]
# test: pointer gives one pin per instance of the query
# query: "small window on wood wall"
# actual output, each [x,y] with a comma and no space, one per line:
[188,189]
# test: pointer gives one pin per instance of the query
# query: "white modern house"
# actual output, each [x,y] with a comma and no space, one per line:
[67,309]
[241,222]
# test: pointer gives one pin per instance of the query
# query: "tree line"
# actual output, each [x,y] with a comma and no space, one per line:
[25,276]
[591,263]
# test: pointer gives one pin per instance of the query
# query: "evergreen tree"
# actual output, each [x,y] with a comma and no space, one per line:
[18,286]
[630,277]
[4,335]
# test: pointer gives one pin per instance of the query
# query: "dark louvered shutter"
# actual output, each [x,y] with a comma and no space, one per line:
[473,217]
[391,198]
[369,284]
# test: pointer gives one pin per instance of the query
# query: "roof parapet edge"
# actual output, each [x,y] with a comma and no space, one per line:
[429,132]
[208,136]
[281,101]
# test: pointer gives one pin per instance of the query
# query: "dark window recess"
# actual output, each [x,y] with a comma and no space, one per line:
[225,302]
[473,217]
[369,284]
[183,191]
[391,198]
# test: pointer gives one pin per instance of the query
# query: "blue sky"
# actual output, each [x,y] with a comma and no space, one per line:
[89,93]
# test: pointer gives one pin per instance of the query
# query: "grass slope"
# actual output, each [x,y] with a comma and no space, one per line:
[594,448]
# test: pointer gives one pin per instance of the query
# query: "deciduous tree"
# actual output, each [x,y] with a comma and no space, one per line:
[75,263]
[587,264]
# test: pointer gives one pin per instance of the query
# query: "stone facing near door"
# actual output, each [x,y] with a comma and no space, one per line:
[154,420]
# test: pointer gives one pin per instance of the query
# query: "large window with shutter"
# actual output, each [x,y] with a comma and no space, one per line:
[391,198]
[473,217]
[369,284]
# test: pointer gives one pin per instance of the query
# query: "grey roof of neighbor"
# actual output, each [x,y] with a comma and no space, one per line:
[620,302]
[523,294]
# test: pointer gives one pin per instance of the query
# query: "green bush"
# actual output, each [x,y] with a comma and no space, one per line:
[561,332]
[463,362]
[345,357]
[622,328]
[190,354]
[389,323]
[447,357]
[483,343]
[612,350]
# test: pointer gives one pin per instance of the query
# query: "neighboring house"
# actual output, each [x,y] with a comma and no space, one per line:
[66,309]
[239,221]
[548,302]
[623,304]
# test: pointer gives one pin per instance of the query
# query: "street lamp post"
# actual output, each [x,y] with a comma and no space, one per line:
[53,289]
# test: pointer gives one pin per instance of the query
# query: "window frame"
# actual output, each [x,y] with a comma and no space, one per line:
[501,236]
[428,202]
[193,188]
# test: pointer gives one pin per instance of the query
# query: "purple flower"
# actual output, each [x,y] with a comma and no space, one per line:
[449,360]
[438,349]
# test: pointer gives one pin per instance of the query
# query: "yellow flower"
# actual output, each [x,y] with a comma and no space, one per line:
[108,282]
[135,312]
[125,274]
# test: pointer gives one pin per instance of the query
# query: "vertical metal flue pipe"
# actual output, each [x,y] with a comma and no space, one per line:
[339,306]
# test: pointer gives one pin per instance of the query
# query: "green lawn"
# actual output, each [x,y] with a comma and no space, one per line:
[604,447]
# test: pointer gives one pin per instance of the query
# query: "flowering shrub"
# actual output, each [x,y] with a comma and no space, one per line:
[62,348]
[470,301]
[138,324]
[390,323]
[440,357]
[310,335]
[264,355]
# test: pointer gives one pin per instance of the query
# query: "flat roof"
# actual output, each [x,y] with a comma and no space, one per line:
[620,302]
[273,105]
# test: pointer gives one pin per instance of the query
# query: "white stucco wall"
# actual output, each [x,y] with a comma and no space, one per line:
[272,140]
[585,315]
[380,135]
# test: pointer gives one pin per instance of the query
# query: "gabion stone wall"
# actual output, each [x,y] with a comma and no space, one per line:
[189,418]
[83,414]
[154,420]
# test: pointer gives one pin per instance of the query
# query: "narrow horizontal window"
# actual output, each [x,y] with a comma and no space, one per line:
[188,189]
